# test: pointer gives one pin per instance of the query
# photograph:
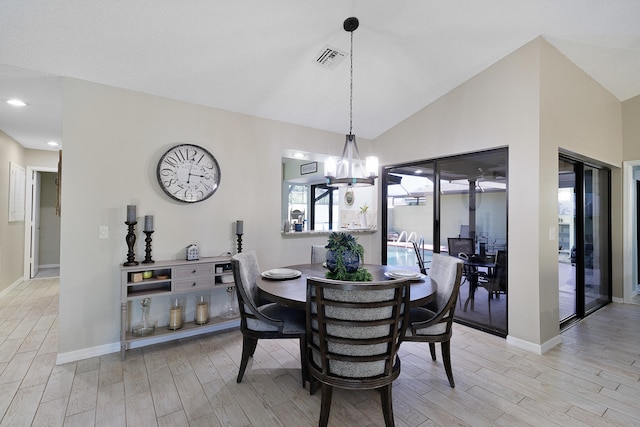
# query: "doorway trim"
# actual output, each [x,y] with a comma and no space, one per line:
[629,289]
[28,215]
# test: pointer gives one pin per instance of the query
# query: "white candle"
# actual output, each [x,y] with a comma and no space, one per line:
[148,223]
[175,318]
[202,313]
[239,226]
[131,213]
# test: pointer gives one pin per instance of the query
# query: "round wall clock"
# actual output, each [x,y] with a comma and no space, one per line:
[188,173]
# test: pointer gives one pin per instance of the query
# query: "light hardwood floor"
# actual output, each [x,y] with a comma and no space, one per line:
[592,378]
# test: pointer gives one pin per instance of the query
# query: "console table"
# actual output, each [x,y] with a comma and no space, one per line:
[171,279]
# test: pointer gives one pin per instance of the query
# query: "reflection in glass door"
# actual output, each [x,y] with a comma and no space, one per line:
[597,283]
[566,239]
[409,213]
[584,260]
[473,209]
[464,196]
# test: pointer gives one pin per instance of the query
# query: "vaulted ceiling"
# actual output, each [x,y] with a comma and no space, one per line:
[258,57]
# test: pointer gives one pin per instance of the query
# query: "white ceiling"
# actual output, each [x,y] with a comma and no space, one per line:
[257,56]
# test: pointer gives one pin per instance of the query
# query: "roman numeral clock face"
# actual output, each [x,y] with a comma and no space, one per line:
[188,173]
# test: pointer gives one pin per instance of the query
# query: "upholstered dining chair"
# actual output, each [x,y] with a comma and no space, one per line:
[318,254]
[354,331]
[434,327]
[267,321]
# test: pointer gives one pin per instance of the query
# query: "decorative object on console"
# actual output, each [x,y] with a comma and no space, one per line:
[188,173]
[145,327]
[202,310]
[176,313]
[193,253]
[230,310]
[239,233]
[131,235]
[343,258]
[148,230]
[351,170]
[147,248]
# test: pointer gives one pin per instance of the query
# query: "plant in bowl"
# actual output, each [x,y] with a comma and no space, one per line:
[343,258]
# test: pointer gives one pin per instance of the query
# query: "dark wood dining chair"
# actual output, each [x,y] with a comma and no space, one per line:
[267,321]
[433,327]
[353,335]
[495,281]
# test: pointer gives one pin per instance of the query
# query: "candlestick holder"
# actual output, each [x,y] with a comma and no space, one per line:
[131,241]
[147,249]
[239,242]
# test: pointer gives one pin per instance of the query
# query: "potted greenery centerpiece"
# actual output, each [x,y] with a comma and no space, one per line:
[343,258]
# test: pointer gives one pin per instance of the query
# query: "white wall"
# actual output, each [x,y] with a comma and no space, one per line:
[578,116]
[505,106]
[113,139]
[11,233]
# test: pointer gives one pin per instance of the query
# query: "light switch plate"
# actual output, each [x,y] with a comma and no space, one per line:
[103,232]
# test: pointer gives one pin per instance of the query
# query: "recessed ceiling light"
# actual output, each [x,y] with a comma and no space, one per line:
[53,143]
[16,102]
[418,171]
[298,155]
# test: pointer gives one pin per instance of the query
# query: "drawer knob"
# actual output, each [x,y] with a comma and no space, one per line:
[193,284]
[193,272]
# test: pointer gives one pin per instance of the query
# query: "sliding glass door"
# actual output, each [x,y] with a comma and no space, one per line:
[584,258]
[430,202]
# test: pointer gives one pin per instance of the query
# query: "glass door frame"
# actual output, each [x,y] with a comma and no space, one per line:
[435,165]
[580,241]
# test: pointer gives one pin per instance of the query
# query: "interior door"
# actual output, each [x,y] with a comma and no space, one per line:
[35,223]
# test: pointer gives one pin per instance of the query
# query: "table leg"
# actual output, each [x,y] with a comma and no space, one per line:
[473,284]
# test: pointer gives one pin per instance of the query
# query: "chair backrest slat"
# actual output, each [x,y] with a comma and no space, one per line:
[354,329]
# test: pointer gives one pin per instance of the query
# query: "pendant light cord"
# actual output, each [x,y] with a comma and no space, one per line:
[351,89]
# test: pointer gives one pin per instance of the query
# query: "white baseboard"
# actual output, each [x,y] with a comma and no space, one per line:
[49,266]
[532,347]
[618,300]
[86,353]
[101,350]
[9,288]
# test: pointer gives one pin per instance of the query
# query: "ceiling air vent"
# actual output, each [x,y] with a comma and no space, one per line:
[330,57]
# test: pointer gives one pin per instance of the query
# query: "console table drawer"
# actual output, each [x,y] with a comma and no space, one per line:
[195,270]
[193,284]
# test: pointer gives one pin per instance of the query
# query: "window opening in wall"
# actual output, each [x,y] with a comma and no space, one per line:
[324,208]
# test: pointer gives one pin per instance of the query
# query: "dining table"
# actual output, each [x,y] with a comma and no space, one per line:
[292,292]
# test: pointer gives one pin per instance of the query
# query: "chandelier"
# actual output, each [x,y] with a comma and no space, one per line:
[350,170]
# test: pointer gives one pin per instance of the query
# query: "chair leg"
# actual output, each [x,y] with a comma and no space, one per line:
[432,349]
[387,405]
[325,406]
[304,361]
[490,298]
[248,348]
[446,357]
